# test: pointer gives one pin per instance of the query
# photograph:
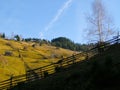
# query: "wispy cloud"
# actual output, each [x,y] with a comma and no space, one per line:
[58,14]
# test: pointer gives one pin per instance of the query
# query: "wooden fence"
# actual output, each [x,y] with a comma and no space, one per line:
[43,72]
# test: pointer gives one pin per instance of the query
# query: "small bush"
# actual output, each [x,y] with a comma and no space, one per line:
[34,45]
[25,48]
[20,55]
[8,53]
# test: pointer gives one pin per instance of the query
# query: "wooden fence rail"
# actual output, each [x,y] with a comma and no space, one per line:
[42,72]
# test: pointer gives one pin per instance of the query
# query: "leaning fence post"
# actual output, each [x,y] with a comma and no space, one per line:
[11,77]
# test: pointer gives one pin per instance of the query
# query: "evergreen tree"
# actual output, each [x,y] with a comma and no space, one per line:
[17,37]
[3,35]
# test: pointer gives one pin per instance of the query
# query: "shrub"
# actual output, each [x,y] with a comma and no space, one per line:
[8,53]
[34,45]
[25,48]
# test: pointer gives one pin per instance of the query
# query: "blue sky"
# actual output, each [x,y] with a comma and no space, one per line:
[50,18]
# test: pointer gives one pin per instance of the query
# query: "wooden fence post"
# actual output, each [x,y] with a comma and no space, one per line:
[11,77]
[87,56]
[73,59]
[118,39]
[41,73]
[27,76]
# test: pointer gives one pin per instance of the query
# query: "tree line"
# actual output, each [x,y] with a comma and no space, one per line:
[61,42]
[66,43]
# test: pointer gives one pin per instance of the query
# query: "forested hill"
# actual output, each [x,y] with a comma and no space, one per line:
[62,42]
[66,43]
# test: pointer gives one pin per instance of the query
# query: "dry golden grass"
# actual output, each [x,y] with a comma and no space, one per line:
[22,52]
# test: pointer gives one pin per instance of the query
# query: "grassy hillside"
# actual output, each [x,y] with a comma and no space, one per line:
[100,72]
[14,55]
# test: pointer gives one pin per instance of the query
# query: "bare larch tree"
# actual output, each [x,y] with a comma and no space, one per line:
[101,26]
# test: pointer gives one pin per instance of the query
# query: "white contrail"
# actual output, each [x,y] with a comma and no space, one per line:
[41,35]
[59,13]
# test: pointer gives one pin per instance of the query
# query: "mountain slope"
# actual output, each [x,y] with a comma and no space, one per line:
[15,55]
